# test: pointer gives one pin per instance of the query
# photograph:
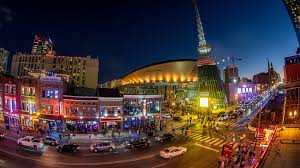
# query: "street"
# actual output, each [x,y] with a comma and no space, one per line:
[204,145]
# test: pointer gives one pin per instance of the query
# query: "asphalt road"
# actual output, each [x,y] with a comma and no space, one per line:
[204,147]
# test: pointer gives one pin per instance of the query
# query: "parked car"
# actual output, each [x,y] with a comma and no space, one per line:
[68,147]
[224,116]
[176,118]
[164,138]
[102,146]
[232,115]
[30,141]
[2,135]
[138,143]
[167,116]
[172,152]
[50,140]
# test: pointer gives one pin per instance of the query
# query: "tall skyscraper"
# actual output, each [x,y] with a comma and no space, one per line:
[209,79]
[293,8]
[41,45]
[3,60]
[231,74]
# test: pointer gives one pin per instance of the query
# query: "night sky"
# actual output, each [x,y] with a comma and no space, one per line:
[127,34]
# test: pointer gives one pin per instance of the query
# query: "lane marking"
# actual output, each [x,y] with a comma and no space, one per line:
[81,163]
[206,147]
[205,139]
[161,165]
[209,140]
[235,145]
[217,139]
[198,138]
[223,144]
[194,135]
[219,142]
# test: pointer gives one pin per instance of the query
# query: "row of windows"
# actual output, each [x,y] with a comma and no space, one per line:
[28,91]
[50,93]
[49,109]
[10,89]
[83,111]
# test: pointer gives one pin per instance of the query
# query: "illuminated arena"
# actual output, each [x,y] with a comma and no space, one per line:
[175,79]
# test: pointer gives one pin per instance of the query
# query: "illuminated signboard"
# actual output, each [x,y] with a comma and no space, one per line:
[204,102]
[250,89]
[243,90]
[246,90]
[239,90]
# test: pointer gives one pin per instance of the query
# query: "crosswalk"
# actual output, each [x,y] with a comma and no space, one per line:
[231,124]
[217,142]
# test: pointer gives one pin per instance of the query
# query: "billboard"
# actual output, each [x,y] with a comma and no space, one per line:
[204,102]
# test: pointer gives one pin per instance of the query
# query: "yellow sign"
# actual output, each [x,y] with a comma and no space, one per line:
[204,102]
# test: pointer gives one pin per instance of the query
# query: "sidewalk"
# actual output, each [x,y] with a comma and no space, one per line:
[14,134]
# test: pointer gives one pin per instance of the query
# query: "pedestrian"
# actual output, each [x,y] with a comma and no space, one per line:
[182,129]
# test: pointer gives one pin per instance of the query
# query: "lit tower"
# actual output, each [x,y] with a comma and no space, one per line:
[208,73]
[293,8]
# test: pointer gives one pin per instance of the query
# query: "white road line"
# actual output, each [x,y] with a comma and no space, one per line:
[205,139]
[219,142]
[81,163]
[209,140]
[223,144]
[206,147]
[161,165]
[194,135]
[235,145]
[198,138]
[214,141]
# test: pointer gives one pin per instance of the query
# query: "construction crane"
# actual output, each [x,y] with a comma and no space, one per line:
[232,59]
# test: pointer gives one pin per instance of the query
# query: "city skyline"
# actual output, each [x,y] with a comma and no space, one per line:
[139,36]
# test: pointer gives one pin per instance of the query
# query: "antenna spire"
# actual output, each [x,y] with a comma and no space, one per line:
[203,48]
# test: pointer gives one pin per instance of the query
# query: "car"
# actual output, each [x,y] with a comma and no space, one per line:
[232,115]
[176,118]
[68,147]
[223,117]
[102,146]
[30,141]
[2,135]
[172,152]
[166,116]
[138,143]
[50,140]
[164,138]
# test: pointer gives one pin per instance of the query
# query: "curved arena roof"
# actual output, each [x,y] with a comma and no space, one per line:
[181,70]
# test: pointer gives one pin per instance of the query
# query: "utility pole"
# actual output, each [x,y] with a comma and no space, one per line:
[283,115]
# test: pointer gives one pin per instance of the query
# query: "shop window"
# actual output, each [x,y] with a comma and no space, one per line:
[56,94]
[23,91]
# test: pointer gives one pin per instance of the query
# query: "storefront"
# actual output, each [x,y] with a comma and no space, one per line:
[11,119]
[111,122]
[51,123]
[82,126]
[142,111]
[135,122]
[29,121]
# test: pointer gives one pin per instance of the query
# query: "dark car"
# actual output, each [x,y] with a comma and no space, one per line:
[2,135]
[138,143]
[164,138]
[50,141]
[232,115]
[176,118]
[69,147]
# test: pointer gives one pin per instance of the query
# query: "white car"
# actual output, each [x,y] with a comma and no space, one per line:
[223,117]
[30,141]
[172,152]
